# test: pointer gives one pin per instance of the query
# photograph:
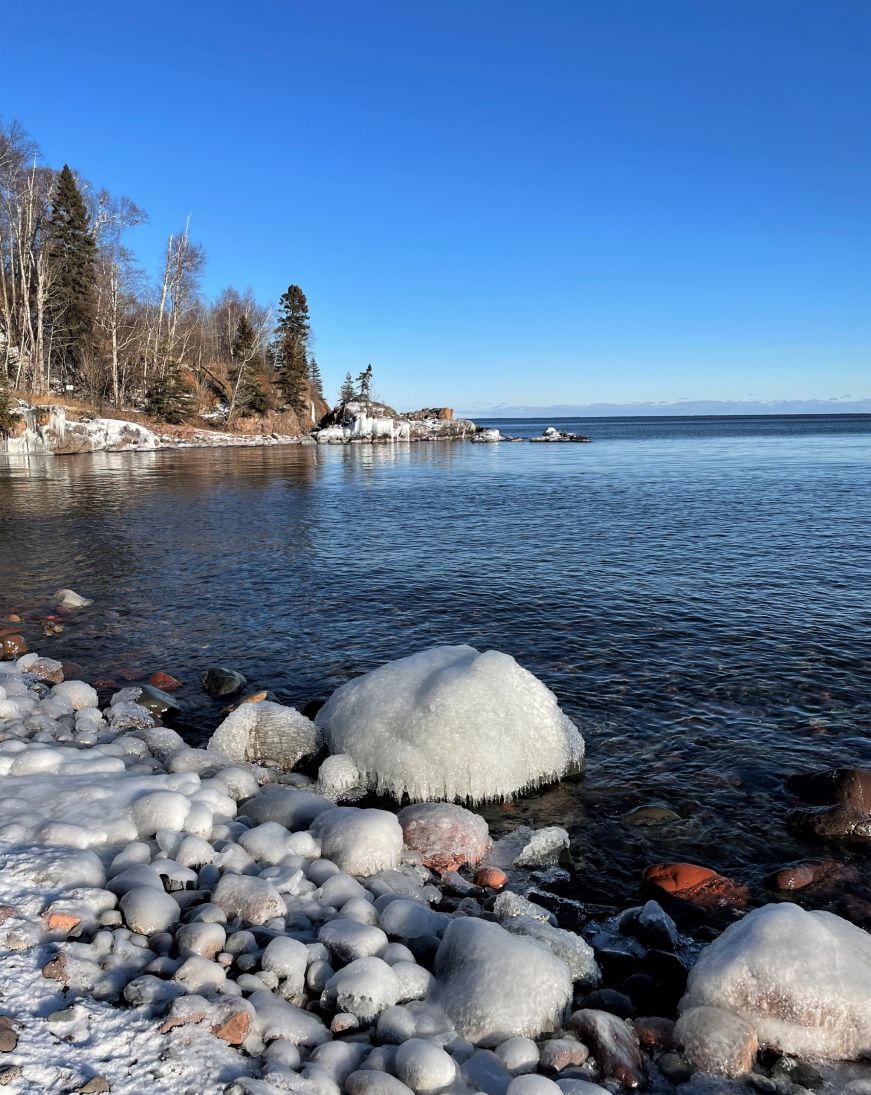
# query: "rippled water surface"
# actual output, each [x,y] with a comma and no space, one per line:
[696,591]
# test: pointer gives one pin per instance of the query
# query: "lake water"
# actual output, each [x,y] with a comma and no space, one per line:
[696,591]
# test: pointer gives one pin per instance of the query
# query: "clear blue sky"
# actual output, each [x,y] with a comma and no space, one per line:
[559,202]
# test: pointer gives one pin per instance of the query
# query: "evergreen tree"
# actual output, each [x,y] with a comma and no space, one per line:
[71,253]
[290,347]
[7,419]
[249,398]
[347,392]
[315,381]
[168,398]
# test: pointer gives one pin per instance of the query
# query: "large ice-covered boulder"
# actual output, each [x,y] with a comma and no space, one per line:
[266,733]
[801,979]
[494,985]
[452,723]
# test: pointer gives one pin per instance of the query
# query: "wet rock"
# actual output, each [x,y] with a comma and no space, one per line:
[613,1043]
[491,878]
[650,815]
[655,1032]
[674,1067]
[46,669]
[617,1003]
[12,646]
[810,872]
[716,1041]
[843,800]
[165,681]
[156,701]
[561,1053]
[447,836]
[217,681]
[696,885]
[651,924]
[528,848]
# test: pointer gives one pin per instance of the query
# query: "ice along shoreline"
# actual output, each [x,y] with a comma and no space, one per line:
[238,918]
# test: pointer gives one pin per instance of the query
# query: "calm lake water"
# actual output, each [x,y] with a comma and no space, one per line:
[697,592]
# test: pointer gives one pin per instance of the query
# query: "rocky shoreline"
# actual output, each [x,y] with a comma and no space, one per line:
[269,913]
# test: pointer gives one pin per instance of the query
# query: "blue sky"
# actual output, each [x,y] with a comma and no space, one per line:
[496,203]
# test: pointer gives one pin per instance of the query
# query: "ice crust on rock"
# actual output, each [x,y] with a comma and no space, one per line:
[361,842]
[452,723]
[266,733]
[494,985]
[447,836]
[365,987]
[801,979]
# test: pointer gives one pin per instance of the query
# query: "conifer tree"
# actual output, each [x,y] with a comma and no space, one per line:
[248,394]
[315,380]
[71,253]
[347,392]
[290,347]
[7,419]
[168,398]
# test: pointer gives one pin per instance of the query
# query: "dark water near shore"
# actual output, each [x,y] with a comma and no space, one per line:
[696,591]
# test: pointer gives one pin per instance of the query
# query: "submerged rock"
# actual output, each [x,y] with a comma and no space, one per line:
[217,681]
[801,979]
[695,884]
[843,800]
[452,723]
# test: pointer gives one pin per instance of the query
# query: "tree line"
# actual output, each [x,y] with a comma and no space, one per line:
[78,314]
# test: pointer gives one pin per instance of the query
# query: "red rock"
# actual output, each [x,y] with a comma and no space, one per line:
[234,1030]
[13,618]
[695,884]
[56,969]
[61,922]
[130,674]
[799,875]
[491,877]
[12,646]
[164,681]
[182,1021]
[446,836]
[655,1032]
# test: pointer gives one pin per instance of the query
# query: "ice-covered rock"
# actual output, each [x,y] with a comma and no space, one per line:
[447,836]
[361,842]
[337,775]
[801,979]
[148,910]
[289,806]
[452,723]
[716,1041]
[527,847]
[424,1067]
[495,985]
[266,733]
[567,946]
[78,693]
[253,899]
[364,988]
[68,598]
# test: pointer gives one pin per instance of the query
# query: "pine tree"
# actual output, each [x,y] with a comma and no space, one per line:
[7,419]
[168,398]
[249,396]
[71,253]
[347,392]
[315,381]
[290,347]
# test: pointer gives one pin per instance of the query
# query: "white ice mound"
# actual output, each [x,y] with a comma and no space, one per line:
[452,723]
[266,733]
[802,979]
[494,985]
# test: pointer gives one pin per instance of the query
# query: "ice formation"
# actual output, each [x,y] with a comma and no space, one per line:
[447,836]
[452,723]
[494,985]
[801,979]
[266,733]
[361,842]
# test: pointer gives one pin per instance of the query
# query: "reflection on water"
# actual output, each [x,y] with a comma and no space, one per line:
[699,603]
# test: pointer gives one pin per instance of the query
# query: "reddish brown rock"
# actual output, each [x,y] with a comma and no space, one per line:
[233,1030]
[61,922]
[12,618]
[8,1034]
[46,669]
[181,1020]
[56,969]
[73,671]
[614,1044]
[12,646]
[559,1053]
[810,872]
[491,878]
[6,912]
[105,682]
[446,836]
[165,681]
[695,884]
[655,1032]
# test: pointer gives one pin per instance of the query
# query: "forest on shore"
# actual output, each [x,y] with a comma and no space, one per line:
[80,317]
